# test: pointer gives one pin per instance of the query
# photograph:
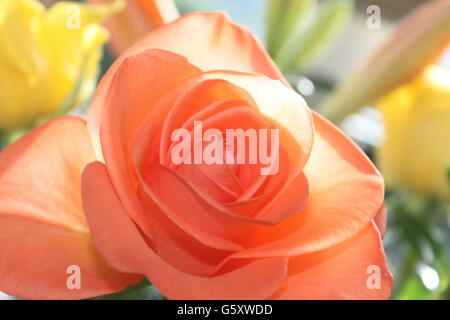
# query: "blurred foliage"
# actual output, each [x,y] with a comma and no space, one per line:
[3,140]
[8,137]
[417,246]
[416,42]
[143,290]
[284,18]
[301,30]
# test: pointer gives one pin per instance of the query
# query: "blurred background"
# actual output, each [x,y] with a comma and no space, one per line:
[354,43]
[379,69]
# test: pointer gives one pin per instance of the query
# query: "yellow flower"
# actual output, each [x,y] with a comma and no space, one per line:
[49,59]
[416,151]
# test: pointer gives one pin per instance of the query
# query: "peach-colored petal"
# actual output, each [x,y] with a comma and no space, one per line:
[121,243]
[210,41]
[290,114]
[206,112]
[245,118]
[281,104]
[137,19]
[345,193]
[148,139]
[43,230]
[200,216]
[181,245]
[194,100]
[130,105]
[355,269]
[186,207]
[139,84]
[381,220]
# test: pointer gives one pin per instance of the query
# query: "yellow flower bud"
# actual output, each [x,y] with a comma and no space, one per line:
[49,59]
[416,150]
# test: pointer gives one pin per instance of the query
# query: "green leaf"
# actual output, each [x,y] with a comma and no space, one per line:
[274,10]
[2,140]
[448,175]
[143,290]
[310,41]
[285,17]
[414,289]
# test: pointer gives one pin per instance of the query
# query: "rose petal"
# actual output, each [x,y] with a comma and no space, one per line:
[141,81]
[137,19]
[346,191]
[381,220]
[355,269]
[118,239]
[274,101]
[292,116]
[210,41]
[43,230]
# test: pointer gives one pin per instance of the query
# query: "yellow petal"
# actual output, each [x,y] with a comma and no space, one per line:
[416,150]
[21,64]
[49,59]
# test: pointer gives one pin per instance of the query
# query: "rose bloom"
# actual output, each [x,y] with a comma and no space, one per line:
[137,19]
[111,201]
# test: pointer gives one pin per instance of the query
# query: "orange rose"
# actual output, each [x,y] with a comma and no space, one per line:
[196,231]
[137,19]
